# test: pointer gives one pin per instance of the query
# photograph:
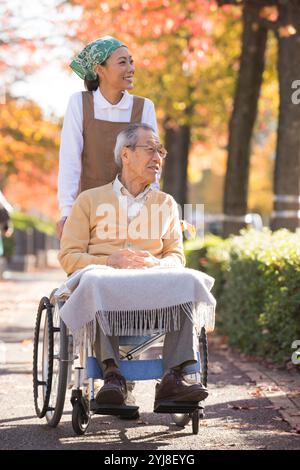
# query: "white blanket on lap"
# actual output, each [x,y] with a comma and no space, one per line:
[135,301]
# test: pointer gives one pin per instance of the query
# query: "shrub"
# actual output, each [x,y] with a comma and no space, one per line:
[258,291]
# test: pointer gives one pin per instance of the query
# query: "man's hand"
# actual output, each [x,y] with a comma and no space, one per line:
[130,259]
[59,227]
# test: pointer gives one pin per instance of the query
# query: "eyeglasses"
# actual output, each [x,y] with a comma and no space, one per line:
[151,149]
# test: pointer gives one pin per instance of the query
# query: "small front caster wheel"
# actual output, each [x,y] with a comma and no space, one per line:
[80,419]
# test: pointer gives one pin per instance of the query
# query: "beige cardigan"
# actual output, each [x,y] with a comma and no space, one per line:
[98,226]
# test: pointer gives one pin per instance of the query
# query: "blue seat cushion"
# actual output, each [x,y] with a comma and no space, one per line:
[140,369]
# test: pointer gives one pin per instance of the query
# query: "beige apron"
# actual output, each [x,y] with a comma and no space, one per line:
[98,165]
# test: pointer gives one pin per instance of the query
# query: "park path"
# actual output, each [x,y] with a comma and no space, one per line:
[249,406]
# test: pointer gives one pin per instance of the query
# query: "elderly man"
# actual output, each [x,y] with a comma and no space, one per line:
[98,232]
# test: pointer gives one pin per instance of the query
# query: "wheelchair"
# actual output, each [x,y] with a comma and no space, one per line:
[55,371]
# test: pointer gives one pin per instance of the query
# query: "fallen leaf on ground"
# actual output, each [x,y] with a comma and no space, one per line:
[275,407]
[242,407]
[278,419]
[215,368]
[256,393]
[294,394]
[272,389]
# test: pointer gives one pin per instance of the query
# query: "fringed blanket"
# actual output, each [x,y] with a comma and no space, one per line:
[135,301]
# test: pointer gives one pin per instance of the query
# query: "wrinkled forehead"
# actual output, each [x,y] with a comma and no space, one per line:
[147,136]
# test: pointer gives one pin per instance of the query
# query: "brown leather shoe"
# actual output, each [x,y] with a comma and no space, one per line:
[173,387]
[114,390]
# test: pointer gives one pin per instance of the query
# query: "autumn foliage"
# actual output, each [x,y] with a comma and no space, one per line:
[187,55]
[28,157]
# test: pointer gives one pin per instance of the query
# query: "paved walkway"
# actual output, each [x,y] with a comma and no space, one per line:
[249,406]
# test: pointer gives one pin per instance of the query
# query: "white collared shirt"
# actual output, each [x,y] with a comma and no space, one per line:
[71,145]
[131,204]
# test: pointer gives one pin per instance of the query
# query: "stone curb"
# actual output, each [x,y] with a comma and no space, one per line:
[271,389]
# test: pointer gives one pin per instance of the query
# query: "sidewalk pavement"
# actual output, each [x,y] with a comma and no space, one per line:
[250,406]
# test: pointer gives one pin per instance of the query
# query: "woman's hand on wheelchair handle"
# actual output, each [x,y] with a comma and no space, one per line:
[59,227]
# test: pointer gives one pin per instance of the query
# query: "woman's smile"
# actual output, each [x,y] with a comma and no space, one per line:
[128,78]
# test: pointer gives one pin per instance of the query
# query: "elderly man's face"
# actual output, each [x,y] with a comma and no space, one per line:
[145,161]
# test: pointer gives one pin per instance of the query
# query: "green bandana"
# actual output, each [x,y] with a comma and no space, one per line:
[94,53]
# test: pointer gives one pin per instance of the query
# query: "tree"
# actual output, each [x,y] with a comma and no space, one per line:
[283,18]
[287,167]
[28,155]
[242,120]
[28,41]
[28,142]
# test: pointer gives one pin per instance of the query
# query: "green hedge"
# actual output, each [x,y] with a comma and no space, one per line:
[257,289]
[209,256]
[22,221]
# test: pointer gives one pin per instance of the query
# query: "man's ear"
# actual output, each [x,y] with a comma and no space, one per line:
[124,155]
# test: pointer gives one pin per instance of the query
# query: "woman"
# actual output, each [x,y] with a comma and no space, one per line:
[95,117]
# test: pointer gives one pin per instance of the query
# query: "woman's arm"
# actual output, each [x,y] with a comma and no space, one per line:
[149,116]
[70,155]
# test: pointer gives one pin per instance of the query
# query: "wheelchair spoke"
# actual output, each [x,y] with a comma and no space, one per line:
[41,383]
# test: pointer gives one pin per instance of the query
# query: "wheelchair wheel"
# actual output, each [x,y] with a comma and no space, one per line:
[80,414]
[203,350]
[43,360]
[182,420]
[195,421]
[60,366]
[53,365]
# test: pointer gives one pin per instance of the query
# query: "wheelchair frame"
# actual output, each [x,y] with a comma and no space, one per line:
[52,372]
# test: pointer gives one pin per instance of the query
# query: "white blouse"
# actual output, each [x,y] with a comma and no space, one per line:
[71,145]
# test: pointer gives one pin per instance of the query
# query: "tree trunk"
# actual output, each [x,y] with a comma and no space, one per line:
[177,142]
[287,166]
[242,120]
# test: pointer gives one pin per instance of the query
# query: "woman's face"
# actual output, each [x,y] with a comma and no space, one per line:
[118,71]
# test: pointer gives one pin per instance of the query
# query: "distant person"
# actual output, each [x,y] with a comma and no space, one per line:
[5,221]
[95,117]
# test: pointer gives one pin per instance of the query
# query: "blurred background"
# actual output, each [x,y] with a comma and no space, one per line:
[197,60]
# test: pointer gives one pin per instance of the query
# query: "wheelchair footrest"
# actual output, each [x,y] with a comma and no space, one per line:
[176,407]
[117,410]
